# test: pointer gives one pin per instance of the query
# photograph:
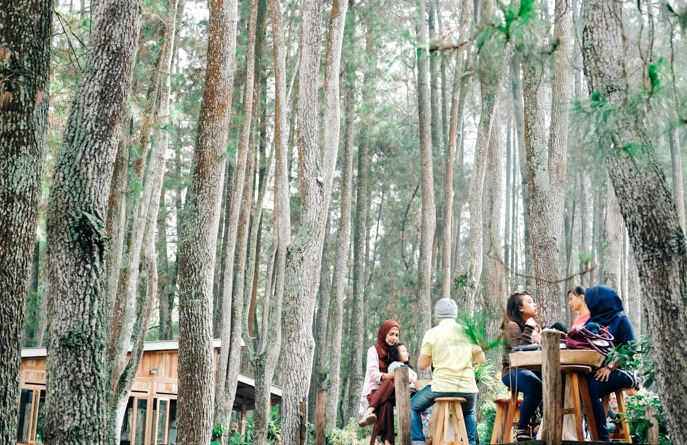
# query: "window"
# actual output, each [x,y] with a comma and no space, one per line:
[31,415]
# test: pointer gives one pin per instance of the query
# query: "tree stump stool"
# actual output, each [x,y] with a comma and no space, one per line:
[447,413]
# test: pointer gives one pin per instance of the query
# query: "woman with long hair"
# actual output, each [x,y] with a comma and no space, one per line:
[522,327]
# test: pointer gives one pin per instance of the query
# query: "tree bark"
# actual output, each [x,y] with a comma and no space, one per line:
[24,86]
[126,308]
[316,166]
[361,229]
[344,235]
[518,114]
[650,215]
[613,240]
[231,330]
[320,326]
[198,235]
[457,111]
[268,351]
[546,165]
[428,225]
[678,186]
[490,80]
[77,372]
[494,274]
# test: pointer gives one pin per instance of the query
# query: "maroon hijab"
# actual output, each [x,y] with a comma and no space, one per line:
[381,346]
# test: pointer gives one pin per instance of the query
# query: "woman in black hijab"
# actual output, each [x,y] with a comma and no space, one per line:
[606,309]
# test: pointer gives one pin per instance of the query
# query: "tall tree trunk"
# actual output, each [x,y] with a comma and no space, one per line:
[546,166]
[428,225]
[678,186]
[320,326]
[490,80]
[344,234]
[342,255]
[198,236]
[494,274]
[268,351]
[316,166]
[126,314]
[238,287]
[585,251]
[231,330]
[77,372]
[24,85]
[652,221]
[612,240]
[519,115]
[140,306]
[439,158]
[360,229]
[457,111]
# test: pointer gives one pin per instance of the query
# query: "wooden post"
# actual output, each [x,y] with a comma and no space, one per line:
[552,381]
[321,417]
[243,416]
[653,429]
[401,383]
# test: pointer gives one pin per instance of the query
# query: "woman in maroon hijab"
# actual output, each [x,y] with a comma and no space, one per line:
[378,361]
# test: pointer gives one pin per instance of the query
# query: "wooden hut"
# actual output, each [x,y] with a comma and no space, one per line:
[151,413]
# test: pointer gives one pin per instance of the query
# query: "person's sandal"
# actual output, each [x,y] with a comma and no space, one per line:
[367,420]
[522,435]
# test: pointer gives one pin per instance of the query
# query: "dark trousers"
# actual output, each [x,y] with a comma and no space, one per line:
[598,390]
[528,383]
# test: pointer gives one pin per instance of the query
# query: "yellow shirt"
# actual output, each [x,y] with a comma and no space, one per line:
[452,355]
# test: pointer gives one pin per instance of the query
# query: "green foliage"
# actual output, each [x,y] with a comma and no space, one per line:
[349,435]
[680,16]
[652,72]
[488,415]
[460,282]
[273,430]
[637,417]
[636,355]
[475,327]
[484,375]
[517,25]
[217,433]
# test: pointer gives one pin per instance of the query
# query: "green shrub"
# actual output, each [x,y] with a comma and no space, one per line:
[486,426]
[637,418]
[349,435]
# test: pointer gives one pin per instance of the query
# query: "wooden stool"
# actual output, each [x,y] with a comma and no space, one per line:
[624,434]
[442,410]
[575,376]
[507,417]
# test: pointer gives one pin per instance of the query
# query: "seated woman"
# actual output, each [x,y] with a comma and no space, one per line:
[377,372]
[384,399]
[521,327]
[606,309]
[577,304]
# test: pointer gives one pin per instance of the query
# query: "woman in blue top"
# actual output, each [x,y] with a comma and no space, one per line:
[606,309]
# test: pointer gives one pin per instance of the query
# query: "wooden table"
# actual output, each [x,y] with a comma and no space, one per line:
[549,360]
[533,359]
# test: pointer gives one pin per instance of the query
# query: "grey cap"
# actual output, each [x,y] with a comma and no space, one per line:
[445,308]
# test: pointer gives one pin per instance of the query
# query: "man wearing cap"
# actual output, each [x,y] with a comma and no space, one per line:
[449,351]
